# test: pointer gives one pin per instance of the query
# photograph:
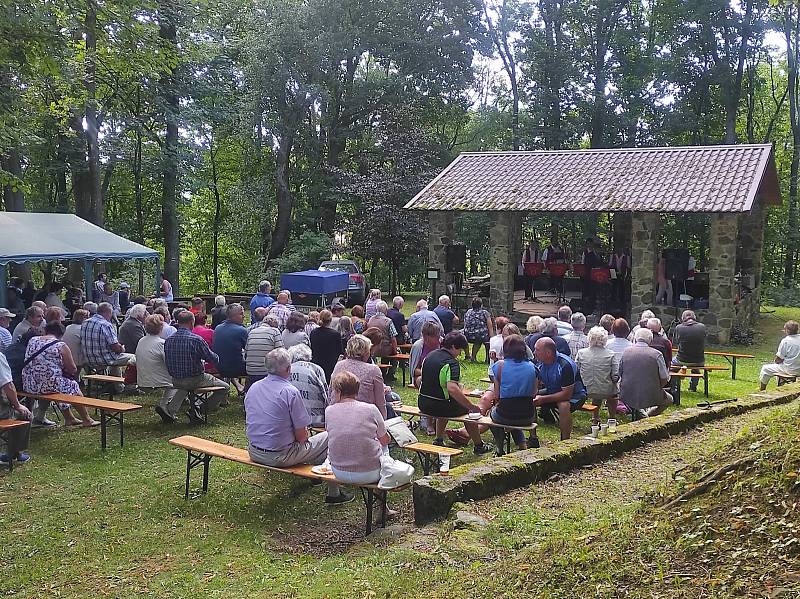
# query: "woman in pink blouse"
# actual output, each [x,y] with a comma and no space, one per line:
[357,362]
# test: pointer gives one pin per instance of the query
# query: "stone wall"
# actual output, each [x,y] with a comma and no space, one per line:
[723,242]
[440,235]
[434,495]
[644,248]
[504,242]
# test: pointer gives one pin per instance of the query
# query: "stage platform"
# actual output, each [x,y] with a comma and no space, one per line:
[544,307]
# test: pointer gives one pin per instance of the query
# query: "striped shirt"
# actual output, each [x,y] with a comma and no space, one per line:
[260,342]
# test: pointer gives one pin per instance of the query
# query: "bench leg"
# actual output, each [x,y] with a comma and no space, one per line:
[507,440]
[103,425]
[426,461]
[121,417]
[193,460]
[733,369]
[705,383]
[4,439]
[676,392]
[368,496]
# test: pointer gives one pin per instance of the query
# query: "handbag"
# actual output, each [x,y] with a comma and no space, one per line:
[399,431]
[394,473]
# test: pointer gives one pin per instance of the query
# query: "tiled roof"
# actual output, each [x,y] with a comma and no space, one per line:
[685,179]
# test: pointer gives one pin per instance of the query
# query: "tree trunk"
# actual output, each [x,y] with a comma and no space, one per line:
[283,195]
[169,160]
[13,196]
[792,33]
[96,208]
[217,214]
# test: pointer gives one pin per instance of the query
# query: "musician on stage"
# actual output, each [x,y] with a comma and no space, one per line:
[590,260]
[530,254]
[554,254]
[620,261]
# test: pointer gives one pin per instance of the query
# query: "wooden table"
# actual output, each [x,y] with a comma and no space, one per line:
[731,359]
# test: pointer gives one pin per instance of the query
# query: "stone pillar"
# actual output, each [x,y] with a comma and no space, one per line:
[750,255]
[723,236]
[440,235]
[503,241]
[645,227]
[623,221]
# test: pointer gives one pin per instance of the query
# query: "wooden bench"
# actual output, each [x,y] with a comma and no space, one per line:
[705,370]
[676,378]
[200,451]
[415,412]
[428,454]
[782,379]
[6,425]
[586,407]
[110,411]
[731,358]
[103,380]
[405,347]
[403,359]
[200,395]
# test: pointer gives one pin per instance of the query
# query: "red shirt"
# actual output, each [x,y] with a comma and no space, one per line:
[204,332]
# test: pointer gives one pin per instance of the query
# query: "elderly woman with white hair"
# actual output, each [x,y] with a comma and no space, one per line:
[642,377]
[641,324]
[357,361]
[388,343]
[549,328]
[371,307]
[261,340]
[599,368]
[219,312]
[576,338]
[309,379]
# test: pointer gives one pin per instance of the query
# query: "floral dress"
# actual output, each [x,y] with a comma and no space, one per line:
[45,373]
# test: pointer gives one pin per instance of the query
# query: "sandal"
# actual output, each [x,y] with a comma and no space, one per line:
[89,424]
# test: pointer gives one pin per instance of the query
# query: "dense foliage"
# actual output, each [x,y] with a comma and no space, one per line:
[249,138]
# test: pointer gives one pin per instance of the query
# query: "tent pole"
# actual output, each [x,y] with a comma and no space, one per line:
[88,279]
[3,284]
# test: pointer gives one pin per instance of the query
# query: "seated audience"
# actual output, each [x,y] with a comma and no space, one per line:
[576,338]
[496,341]
[111,297]
[326,344]
[168,330]
[124,297]
[599,368]
[50,368]
[446,315]
[72,337]
[277,423]
[371,307]
[261,340]
[431,338]
[151,366]
[295,331]
[230,339]
[5,321]
[198,305]
[619,342]
[184,353]
[690,337]
[478,327]
[310,381]
[388,344]
[219,311]
[398,318]
[345,329]
[787,358]
[132,329]
[549,329]
[53,314]
[17,439]
[312,322]
[337,309]
[259,315]
[420,317]
[660,341]
[440,393]
[357,317]
[641,323]
[607,321]
[357,437]
[515,384]
[34,317]
[281,310]
[561,391]
[357,362]
[262,299]
[564,322]
[91,308]
[642,376]
[53,297]
[101,346]
[200,329]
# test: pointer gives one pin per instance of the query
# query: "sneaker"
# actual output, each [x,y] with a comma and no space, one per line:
[342,497]
[483,448]
[43,422]
[21,458]
[166,417]
[533,442]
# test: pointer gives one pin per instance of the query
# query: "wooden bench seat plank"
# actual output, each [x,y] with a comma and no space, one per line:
[8,424]
[103,378]
[433,449]
[80,400]
[729,354]
[415,411]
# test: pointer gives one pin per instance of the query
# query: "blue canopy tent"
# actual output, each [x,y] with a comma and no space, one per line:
[42,237]
[318,284]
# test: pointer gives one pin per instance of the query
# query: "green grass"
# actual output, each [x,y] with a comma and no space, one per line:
[78,522]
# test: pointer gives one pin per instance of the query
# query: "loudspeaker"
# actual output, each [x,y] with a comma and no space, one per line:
[677,264]
[456,258]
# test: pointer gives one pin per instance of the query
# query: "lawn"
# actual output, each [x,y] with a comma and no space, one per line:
[79,522]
